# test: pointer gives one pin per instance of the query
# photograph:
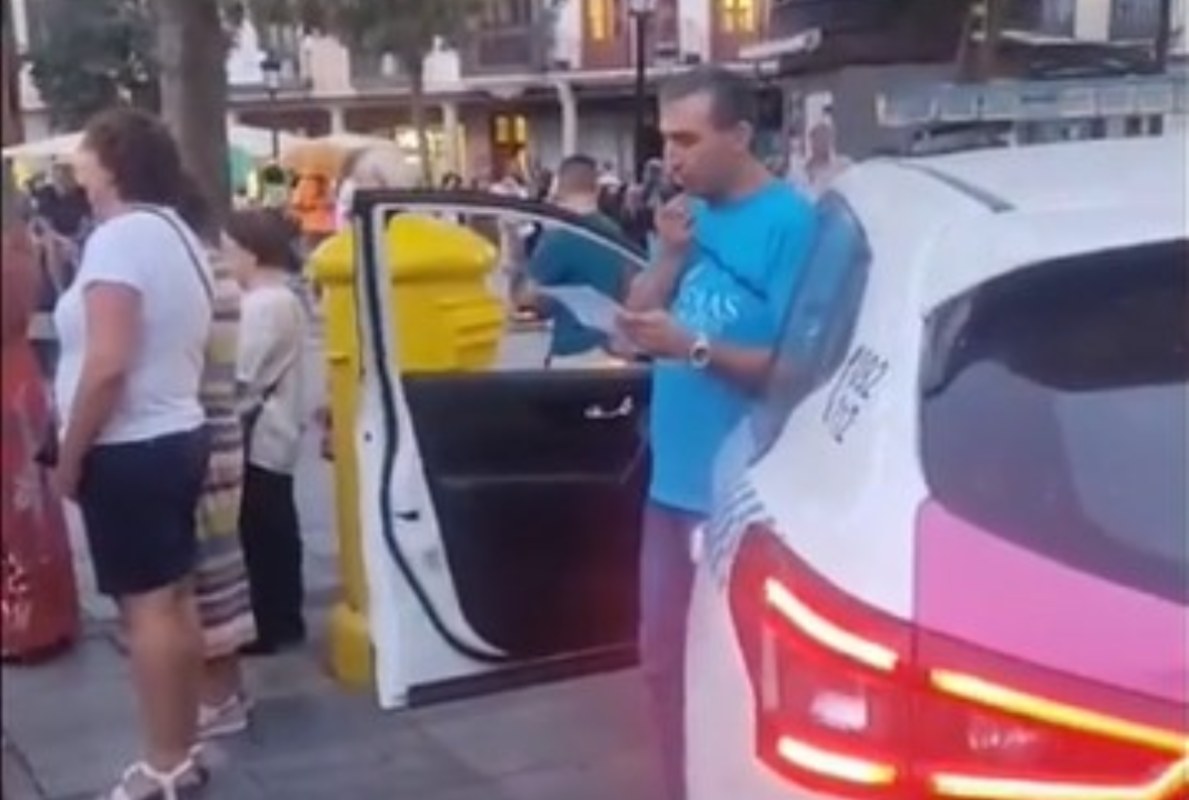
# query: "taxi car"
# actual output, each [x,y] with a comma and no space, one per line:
[954,566]
[959,565]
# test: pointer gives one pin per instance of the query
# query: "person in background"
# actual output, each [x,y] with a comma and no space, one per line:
[270,372]
[37,587]
[708,311]
[134,328]
[566,258]
[514,233]
[452,181]
[345,191]
[58,259]
[543,185]
[64,203]
[637,216]
[221,577]
[313,202]
[274,188]
[814,173]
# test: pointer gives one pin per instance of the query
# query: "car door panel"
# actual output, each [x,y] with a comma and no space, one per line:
[499,510]
[538,481]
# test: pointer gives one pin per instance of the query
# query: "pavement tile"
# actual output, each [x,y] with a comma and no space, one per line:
[566,724]
[625,778]
[312,747]
[72,719]
[16,778]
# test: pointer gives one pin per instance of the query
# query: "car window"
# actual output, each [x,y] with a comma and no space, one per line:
[821,319]
[1054,413]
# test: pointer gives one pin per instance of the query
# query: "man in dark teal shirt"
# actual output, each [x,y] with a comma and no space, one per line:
[565,258]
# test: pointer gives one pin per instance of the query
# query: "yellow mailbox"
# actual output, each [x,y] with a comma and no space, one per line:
[446,320]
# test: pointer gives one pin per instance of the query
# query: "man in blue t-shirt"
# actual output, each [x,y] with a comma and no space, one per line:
[730,251]
[563,257]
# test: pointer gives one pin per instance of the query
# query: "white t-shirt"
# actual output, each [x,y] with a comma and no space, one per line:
[162,262]
[271,369]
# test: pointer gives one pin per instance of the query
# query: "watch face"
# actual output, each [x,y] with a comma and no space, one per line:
[699,354]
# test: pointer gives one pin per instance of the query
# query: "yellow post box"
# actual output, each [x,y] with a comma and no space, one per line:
[446,319]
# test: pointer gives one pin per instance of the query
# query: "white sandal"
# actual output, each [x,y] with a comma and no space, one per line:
[141,782]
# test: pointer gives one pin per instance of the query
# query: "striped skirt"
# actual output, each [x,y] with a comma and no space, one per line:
[221,578]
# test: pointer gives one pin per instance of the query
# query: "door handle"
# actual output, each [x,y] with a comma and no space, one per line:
[598,413]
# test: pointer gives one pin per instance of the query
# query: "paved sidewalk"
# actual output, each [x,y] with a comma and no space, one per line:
[69,727]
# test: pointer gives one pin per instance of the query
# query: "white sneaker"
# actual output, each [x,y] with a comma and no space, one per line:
[228,719]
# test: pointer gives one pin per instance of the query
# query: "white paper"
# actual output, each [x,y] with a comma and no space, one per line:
[591,308]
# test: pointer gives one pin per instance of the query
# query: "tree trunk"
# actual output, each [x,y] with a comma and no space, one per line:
[11,81]
[417,111]
[191,49]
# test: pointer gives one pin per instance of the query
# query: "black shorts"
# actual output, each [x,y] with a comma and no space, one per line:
[139,502]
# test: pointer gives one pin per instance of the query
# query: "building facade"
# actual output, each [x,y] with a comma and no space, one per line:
[842,60]
[536,79]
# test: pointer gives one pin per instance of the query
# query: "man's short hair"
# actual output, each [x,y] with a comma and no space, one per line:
[578,171]
[732,96]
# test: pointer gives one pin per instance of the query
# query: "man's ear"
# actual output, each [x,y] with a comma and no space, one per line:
[744,135]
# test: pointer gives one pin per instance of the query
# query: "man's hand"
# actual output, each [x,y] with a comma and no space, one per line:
[675,228]
[655,333]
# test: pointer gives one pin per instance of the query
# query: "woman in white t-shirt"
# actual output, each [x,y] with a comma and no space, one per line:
[133,453]
[270,372]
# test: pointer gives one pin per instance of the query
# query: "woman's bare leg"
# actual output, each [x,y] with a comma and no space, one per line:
[165,650]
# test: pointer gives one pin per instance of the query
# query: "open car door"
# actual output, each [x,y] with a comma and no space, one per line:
[499,509]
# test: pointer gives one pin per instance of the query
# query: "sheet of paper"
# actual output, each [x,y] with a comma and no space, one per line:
[591,308]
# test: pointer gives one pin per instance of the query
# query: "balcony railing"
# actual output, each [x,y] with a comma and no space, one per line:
[377,71]
[514,49]
[245,78]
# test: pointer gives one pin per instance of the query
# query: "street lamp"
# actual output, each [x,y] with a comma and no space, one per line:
[271,67]
[641,12]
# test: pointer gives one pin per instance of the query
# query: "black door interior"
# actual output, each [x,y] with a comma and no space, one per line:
[539,480]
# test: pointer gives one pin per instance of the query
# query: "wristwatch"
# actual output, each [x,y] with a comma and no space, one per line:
[699,352]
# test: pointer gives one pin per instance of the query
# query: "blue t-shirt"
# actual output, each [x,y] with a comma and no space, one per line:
[564,258]
[748,256]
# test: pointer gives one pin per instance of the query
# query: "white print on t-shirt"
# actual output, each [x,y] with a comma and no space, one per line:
[706,303]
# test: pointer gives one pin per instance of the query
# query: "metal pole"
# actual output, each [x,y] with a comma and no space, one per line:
[641,90]
[276,133]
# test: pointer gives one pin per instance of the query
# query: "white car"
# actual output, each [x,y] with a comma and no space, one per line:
[957,568]
[960,567]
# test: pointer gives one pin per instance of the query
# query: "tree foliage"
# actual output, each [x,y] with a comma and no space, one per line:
[87,56]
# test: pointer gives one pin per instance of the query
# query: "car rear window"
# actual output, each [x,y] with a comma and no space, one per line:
[820,323]
[1054,412]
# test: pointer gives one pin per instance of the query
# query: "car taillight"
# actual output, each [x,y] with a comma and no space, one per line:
[853,702]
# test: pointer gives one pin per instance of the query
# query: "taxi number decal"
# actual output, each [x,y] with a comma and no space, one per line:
[861,375]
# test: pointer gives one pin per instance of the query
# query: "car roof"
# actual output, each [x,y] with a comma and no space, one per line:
[982,214]
[1107,173]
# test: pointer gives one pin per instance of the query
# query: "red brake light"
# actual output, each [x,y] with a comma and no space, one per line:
[845,704]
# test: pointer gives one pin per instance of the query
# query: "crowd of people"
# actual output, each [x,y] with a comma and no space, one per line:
[179,382]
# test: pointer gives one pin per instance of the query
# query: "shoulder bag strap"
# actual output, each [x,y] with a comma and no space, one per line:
[195,261]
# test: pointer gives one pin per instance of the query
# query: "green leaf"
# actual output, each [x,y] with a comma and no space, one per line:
[87,56]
